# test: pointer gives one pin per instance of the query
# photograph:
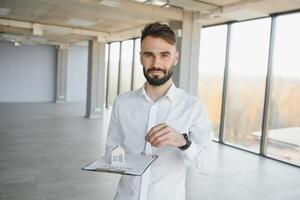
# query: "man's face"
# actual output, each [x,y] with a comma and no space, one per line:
[158,58]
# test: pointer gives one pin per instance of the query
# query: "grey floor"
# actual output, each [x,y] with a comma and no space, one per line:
[44,145]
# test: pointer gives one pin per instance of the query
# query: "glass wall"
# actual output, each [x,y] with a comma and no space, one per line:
[106,67]
[246,83]
[130,75]
[126,66]
[211,71]
[113,72]
[284,121]
[248,59]
[138,77]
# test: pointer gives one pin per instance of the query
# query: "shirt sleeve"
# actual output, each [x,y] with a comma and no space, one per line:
[201,155]
[114,136]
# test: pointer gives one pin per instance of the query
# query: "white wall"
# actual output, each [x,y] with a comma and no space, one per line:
[27,73]
[77,73]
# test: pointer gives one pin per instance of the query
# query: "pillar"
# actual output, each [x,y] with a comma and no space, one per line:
[61,75]
[188,44]
[96,80]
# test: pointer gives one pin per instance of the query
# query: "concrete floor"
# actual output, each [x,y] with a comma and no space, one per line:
[44,145]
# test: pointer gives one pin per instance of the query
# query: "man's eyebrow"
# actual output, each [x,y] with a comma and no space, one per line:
[161,53]
[165,52]
[147,52]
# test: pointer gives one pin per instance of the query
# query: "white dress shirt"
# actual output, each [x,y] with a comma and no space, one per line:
[133,115]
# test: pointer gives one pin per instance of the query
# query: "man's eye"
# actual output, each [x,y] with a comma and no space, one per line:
[147,55]
[165,55]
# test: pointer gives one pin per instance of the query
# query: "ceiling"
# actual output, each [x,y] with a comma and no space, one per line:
[61,22]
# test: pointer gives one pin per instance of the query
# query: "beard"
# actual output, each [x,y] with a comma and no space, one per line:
[156,80]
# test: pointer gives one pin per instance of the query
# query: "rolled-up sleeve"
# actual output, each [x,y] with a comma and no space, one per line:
[201,155]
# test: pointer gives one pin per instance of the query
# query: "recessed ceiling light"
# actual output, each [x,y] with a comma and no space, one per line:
[155,2]
[4,11]
[80,22]
[111,3]
[159,2]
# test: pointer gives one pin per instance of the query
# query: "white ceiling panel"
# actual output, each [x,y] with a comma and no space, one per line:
[77,20]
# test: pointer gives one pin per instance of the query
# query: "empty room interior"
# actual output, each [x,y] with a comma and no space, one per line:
[63,63]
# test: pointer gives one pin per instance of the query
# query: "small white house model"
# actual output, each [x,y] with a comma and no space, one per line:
[118,156]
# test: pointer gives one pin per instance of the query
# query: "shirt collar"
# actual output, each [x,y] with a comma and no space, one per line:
[171,93]
[144,94]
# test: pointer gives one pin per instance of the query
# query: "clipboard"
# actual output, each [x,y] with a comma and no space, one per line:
[135,165]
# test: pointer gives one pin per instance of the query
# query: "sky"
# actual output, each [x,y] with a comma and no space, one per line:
[250,45]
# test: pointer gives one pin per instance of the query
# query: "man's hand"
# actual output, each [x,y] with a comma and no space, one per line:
[162,134]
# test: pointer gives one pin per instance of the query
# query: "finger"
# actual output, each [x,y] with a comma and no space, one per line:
[154,129]
[162,143]
[157,134]
[160,138]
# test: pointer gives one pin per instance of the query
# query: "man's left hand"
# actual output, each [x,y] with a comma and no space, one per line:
[162,134]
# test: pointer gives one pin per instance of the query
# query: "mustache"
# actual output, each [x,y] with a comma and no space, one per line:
[156,69]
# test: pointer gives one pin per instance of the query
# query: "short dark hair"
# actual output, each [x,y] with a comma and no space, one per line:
[159,30]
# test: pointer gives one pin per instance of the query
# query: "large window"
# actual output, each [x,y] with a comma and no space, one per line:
[138,79]
[126,66]
[284,123]
[124,70]
[106,67]
[249,54]
[211,71]
[113,72]
[246,82]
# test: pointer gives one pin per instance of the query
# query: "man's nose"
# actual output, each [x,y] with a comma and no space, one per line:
[156,61]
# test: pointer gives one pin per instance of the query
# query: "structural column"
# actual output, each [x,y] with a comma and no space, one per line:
[177,28]
[61,75]
[96,80]
[188,38]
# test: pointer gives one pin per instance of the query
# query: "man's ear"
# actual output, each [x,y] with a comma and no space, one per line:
[176,57]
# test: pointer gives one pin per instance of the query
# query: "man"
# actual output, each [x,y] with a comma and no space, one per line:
[162,118]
